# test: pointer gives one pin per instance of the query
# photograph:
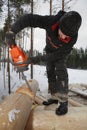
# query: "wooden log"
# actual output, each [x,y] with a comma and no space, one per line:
[39,99]
[41,119]
[15,109]
[84,85]
[75,103]
[77,91]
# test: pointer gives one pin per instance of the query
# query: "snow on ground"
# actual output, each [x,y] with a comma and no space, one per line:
[77,76]
[39,73]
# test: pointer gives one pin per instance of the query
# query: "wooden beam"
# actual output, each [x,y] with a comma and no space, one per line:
[15,109]
[41,119]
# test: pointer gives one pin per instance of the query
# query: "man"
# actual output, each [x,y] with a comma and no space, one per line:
[61,35]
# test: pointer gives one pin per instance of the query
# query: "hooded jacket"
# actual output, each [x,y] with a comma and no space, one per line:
[55,48]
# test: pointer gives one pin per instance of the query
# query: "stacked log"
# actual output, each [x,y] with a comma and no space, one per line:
[15,109]
[17,112]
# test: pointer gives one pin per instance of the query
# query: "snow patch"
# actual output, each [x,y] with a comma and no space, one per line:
[12,114]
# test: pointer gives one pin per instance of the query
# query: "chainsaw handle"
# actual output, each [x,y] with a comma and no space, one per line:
[16,64]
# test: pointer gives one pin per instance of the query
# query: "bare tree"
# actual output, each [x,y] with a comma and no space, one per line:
[50,7]
[64,5]
[8,65]
[31,41]
[67,4]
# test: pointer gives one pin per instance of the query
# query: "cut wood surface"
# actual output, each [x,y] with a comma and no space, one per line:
[15,109]
[41,119]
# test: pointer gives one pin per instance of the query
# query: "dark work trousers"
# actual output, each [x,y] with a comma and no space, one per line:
[57,77]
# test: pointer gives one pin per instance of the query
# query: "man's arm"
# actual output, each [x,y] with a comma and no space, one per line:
[30,20]
[61,53]
[51,57]
[33,20]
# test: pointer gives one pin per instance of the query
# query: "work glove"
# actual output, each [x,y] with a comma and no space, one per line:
[34,60]
[10,38]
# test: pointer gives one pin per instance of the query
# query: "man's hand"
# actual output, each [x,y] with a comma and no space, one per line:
[10,38]
[34,60]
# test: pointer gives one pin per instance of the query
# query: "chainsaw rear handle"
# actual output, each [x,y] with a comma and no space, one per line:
[20,63]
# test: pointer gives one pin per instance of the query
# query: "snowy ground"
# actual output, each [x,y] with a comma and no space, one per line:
[75,77]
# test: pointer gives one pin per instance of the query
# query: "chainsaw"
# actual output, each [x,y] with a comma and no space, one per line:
[19,58]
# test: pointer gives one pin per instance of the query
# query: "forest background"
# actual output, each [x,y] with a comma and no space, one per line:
[10,11]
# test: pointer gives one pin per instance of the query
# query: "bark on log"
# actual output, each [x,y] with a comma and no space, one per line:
[15,109]
[41,119]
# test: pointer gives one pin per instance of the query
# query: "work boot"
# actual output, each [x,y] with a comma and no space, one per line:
[50,101]
[62,109]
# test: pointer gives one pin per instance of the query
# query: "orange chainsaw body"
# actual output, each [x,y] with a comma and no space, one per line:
[18,55]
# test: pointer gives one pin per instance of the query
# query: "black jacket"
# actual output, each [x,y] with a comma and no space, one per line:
[55,48]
